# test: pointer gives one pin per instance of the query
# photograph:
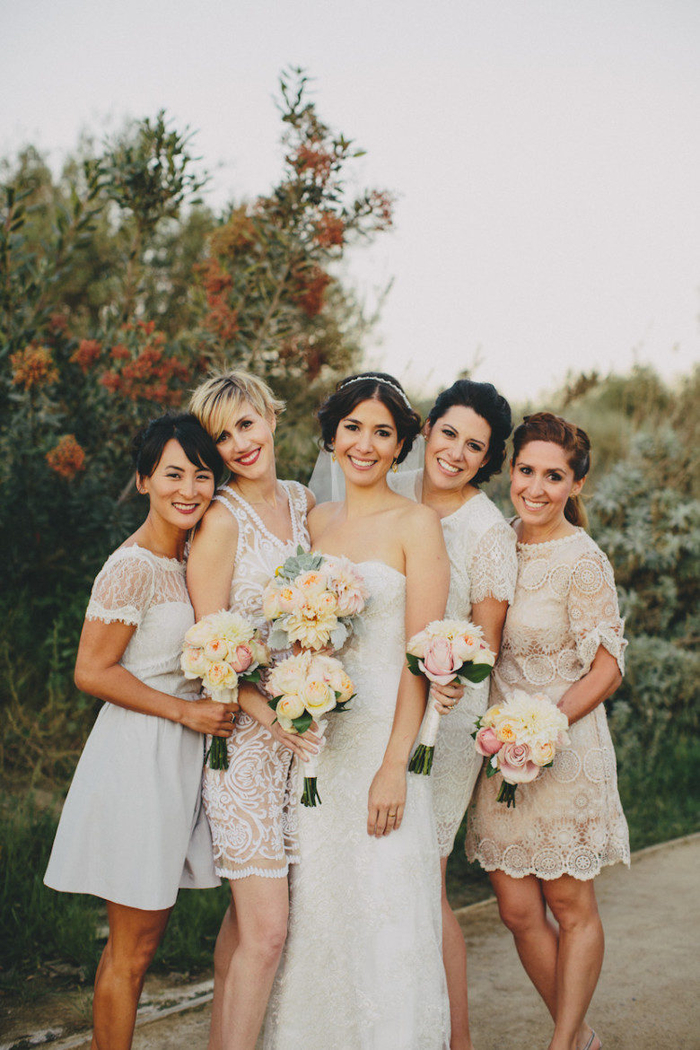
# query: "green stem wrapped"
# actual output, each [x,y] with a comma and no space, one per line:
[310,796]
[218,753]
[507,794]
[422,761]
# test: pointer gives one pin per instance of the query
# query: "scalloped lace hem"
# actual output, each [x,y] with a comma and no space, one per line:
[619,858]
[266,873]
[130,617]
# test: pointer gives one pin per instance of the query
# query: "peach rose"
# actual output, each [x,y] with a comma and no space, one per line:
[486,742]
[216,649]
[241,659]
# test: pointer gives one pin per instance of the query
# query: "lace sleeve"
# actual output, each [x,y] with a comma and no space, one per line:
[123,589]
[494,566]
[594,614]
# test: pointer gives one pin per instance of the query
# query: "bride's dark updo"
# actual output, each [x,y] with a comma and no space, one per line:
[369,386]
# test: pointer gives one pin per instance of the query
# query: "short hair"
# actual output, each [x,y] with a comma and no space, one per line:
[217,397]
[484,399]
[369,386]
[148,444]
[545,426]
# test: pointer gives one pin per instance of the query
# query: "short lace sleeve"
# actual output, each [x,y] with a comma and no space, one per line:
[494,564]
[594,614]
[123,589]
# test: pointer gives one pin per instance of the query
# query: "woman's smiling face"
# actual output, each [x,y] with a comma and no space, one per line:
[541,481]
[457,446]
[179,490]
[366,442]
[247,444]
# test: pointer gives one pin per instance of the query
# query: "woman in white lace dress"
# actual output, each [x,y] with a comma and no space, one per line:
[132,830]
[254,523]
[563,637]
[466,433]
[362,967]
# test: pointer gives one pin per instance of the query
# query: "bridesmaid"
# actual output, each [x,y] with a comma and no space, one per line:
[466,433]
[132,829]
[563,637]
[255,522]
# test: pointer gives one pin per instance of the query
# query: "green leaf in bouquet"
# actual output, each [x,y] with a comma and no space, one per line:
[302,561]
[413,664]
[251,676]
[302,723]
[274,702]
[491,770]
[475,672]
[338,636]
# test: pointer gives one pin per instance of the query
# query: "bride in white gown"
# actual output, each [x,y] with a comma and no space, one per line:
[362,967]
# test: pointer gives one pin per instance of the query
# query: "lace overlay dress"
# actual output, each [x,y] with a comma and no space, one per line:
[365,939]
[132,830]
[252,824]
[481,548]
[568,821]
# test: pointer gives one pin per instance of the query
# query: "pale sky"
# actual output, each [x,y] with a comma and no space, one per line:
[546,154]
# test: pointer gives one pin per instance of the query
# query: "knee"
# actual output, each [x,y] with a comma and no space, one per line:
[573,911]
[133,962]
[515,917]
[266,938]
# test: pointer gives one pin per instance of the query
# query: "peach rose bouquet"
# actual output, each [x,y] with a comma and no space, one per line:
[304,688]
[312,600]
[520,738]
[446,651]
[221,649]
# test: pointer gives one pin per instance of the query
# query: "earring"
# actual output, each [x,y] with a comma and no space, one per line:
[394,466]
[333,456]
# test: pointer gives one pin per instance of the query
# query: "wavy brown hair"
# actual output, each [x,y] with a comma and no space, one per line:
[545,426]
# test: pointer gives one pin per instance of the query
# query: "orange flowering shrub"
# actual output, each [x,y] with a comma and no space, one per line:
[145,372]
[330,230]
[67,458]
[87,353]
[33,367]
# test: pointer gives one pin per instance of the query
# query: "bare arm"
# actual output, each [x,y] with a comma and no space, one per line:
[212,560]
[427,583]
[98,672]
[601,682]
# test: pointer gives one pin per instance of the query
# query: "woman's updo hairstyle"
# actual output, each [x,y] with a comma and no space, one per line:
[369,386]
[545,426]
[484,399]
[148,444]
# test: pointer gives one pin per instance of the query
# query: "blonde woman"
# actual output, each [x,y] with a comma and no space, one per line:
[253,524]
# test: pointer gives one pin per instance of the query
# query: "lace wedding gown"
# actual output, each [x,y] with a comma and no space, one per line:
[132,828]
[362,968]
[481,548]
[569,820]
[252,824]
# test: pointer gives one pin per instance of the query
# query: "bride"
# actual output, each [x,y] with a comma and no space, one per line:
[362,968]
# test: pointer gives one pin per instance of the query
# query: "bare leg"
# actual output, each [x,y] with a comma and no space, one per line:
[262,910]
[523,909]
[454,954]
[134,936]
[226,944]
[580,957]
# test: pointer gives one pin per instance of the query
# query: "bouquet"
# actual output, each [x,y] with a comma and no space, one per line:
[311,600]
[304,688]
[221,649]
[447,650]
[520,738]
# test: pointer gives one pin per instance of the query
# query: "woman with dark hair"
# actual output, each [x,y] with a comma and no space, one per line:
[466,433]
[364,933]
[563,638]
[132,829]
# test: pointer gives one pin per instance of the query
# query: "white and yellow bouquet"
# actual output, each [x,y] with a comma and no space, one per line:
[446,651]
[311,600]
[520,738]
[221,649]
[304,688]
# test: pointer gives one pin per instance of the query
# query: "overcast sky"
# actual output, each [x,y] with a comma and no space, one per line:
[546,154]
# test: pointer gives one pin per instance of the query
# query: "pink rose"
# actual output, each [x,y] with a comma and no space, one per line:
[242,658]
[438,663]
[486,742]
[516,765]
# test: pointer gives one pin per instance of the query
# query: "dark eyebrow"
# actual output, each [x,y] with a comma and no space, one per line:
[378,426]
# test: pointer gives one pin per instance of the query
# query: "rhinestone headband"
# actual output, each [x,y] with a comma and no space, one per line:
[380,379]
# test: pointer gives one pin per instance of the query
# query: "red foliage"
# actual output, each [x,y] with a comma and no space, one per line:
[148,373]
[316,161]
[67,458]
[87,353]
[119,352]
[382,204]
[33,367]
[330,230]
[311,290]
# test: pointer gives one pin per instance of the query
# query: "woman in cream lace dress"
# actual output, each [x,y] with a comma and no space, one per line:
[466,433]
[253,525]
[563,638]
[132,829]
[362,967]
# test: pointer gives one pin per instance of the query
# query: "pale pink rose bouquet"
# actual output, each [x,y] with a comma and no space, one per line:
[520,738]
[222,649]
[446,651]
[312,600]
[304,688]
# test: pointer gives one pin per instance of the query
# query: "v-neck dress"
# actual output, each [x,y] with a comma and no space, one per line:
[252,823]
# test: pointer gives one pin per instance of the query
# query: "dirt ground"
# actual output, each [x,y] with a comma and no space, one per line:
[648,997]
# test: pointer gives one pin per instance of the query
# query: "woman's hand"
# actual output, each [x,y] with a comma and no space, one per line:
[446,697]
[304,745]
[387,799]
[209,717]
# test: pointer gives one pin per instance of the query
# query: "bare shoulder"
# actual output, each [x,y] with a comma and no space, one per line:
[218,523]
[320,514]
[418,517]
